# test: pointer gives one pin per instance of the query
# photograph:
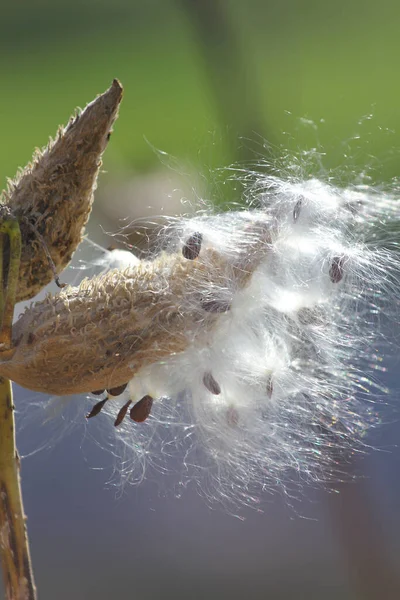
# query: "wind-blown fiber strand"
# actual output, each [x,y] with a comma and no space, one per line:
[250,333]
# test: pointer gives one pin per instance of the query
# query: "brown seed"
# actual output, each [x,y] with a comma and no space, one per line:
[297,210]
[18,340]
[141,410]
[192,246]
[336,269]
[210,383]
[96,409]
[232,416]
[98,392]
[31,338]
[58,282]
[118,390]
[122,413]
[270,387]
[354,207]
[311,316]
[215,306]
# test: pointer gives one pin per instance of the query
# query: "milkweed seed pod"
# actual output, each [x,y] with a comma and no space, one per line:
[52,197]
[97,336]
[260,326]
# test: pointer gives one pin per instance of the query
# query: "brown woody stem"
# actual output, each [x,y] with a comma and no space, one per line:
[14,548]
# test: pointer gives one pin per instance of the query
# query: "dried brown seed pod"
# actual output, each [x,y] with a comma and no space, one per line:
[98,335]
[52,197]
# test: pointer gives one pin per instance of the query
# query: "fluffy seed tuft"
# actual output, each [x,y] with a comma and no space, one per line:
[255,333]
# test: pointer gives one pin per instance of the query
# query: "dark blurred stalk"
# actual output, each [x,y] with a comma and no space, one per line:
[365,550]
[232,78]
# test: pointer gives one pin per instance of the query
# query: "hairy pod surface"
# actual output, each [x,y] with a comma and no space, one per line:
[97,336]
[52,197]
[285,382]
[255,336]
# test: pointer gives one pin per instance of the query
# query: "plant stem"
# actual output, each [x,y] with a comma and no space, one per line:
[14,548]
[239,106]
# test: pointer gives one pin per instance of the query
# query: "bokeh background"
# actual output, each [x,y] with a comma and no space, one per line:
[208,83]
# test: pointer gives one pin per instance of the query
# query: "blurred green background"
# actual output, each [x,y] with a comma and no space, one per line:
[210,83]
[202,76]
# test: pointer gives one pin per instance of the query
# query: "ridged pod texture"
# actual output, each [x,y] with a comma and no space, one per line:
[257,332]
[99,335]
[52,197]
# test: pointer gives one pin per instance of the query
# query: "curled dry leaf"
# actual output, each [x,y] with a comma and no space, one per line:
[52,197]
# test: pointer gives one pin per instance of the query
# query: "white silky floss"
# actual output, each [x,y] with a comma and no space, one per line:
[279,385]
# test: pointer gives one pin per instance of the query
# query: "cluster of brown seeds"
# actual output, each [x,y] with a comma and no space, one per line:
[191,249]
[141,409]
[138,413]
